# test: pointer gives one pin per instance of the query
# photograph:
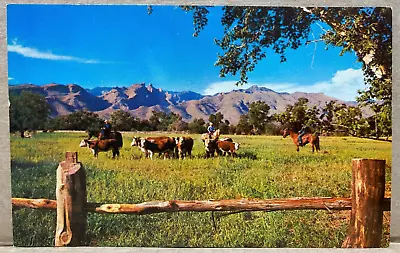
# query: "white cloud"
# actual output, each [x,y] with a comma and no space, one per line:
[224,86]
[10,78]
[343,85]
[35,53]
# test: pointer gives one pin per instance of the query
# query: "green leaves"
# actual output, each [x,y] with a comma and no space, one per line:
[123,121]
[28,111]
[197,126]
[79,120]
[255,121]
[250,32]
[199,17]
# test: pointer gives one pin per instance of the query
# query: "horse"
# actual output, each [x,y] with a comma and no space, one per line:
[214,136]
[306,138]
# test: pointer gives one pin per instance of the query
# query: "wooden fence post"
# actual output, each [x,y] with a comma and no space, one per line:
[71,202]
[367,198]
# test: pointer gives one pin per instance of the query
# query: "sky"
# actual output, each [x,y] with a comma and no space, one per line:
[120,45]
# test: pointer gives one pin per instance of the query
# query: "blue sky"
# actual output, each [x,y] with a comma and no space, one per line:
[122,45]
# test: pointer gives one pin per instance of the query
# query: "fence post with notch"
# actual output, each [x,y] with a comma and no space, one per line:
[71,202]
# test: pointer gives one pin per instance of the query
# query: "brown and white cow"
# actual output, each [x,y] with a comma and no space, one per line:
[184,146]
[136,141]
[149,146]
[221,147]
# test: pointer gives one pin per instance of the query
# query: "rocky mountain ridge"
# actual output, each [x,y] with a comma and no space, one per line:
[141,99]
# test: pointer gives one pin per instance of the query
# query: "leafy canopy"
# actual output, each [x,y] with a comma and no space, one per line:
[28,111]
[364,31]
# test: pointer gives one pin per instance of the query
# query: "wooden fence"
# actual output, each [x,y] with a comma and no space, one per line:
[367,204]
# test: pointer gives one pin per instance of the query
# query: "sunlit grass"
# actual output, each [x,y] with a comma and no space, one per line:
[267,167]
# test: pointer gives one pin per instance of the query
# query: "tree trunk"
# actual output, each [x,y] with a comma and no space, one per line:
[22,133]
[367,200]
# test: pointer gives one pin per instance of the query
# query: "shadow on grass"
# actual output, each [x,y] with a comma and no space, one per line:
[27,164]
[248,155]
[241,155]
[33,179]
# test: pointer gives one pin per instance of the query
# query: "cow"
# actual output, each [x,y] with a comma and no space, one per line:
[211,146]
[150,145]
[137,140]
[97,146]
[184,145]
[221,147]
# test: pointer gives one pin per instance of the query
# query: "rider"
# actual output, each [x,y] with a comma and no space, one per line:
[106,130]
[303,131]
[210,129]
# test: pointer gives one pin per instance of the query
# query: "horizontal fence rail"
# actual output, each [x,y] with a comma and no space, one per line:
[367,204]
[316,203]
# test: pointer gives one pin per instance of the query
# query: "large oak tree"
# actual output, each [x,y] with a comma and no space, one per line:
[364,31]
[28,111]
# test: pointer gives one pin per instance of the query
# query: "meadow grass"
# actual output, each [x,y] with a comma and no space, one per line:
[267,167]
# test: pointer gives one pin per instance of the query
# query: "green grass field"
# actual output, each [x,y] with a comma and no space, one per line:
[267,167]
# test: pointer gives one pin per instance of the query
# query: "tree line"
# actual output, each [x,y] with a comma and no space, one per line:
[30,111]
[248,33]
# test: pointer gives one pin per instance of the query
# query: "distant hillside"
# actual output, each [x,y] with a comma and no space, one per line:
[140,100]
[64,99]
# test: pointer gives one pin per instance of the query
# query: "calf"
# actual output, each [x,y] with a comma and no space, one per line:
[97,146]
[184,145]
[226,147]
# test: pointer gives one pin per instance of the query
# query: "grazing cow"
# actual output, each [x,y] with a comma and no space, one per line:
[136,141]
[221,147]
[184,145]
[97,146]
[149,146]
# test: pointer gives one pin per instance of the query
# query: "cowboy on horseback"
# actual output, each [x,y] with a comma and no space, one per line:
[106,130]
[210,129]
[303,131]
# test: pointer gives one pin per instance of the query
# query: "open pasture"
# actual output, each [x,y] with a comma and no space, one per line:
[267,167]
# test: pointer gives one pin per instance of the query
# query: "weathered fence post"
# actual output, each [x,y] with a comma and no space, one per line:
[367,198]
[71,202]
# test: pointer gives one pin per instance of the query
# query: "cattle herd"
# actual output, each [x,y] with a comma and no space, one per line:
[169,147]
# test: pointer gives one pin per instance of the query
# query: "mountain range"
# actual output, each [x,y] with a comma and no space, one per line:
[141,99]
